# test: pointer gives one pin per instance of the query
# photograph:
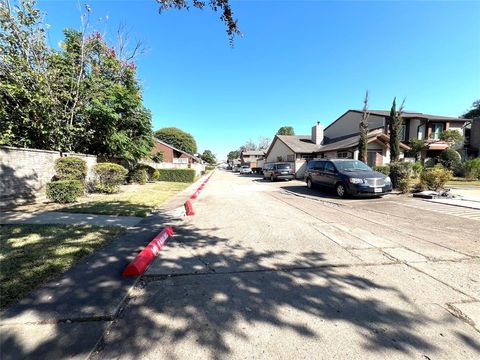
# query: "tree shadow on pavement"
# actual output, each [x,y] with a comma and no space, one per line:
[232,295]
[229,295]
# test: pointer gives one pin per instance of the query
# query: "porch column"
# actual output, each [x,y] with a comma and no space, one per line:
[355,154]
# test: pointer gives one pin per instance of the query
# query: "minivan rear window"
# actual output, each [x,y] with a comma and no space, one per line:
[283,166]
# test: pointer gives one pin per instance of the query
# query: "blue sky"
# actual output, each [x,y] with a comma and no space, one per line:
[297,63]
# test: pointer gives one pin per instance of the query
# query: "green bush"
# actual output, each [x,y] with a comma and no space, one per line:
[400,173]
[156,175]
[148,169]
[177,175]
[384,169]
[472,169]
[417,169]
[70,168]
[139,176]
[450,159]
[65,191]
[435,178]
[109,177]
[210,168]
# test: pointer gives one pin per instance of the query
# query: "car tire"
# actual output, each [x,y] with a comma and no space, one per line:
[309,183]
[341,190]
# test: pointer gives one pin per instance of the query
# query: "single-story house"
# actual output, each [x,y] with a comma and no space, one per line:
[341,138]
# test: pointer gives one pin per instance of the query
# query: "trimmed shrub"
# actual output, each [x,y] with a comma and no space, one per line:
[417,169]
[156,175]
[148,169]
[384,169]
[210,168]
[472,169]
[450,159]
[435,178]
[177,175]
[139,176]
[109,177]
[65,191]
[400,173]
[70,168]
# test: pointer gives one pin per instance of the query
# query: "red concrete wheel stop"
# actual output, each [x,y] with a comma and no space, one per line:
[195,195]
[145,257]
[189,208]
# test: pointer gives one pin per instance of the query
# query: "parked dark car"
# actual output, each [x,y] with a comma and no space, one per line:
[278,171]
[347,177]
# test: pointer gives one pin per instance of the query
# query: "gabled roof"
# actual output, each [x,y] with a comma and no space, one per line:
[352,141]
[413,115]
[253,152]
[299,143]
[180,151]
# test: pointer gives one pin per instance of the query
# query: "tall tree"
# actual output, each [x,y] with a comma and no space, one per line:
[209,157]
[83,98]
[286,130]
[474,111]
[177,138]
[363,127]
[394,127]
[232,155]
[249,145]
[215,5]
[263,143]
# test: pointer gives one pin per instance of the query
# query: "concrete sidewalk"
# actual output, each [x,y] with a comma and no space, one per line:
[65,218]
[68,316]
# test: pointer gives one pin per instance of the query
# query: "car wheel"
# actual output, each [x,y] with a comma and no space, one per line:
[309,183]
[341,190]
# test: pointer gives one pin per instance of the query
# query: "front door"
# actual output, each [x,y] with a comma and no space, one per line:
[374,158]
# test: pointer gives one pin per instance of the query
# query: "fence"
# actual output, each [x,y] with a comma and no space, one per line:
[24,173]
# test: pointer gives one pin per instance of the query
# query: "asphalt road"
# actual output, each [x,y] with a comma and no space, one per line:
[275,271]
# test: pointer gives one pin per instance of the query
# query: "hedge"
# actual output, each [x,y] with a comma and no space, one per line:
[70,168]
[109,177]
[147,168]
[65,191]
[177,175]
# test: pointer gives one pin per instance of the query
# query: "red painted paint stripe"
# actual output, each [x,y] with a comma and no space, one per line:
[146,256]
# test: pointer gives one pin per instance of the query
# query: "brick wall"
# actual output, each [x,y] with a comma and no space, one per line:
[24,173]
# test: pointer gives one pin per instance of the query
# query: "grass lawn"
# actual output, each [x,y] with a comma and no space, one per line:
[30,255]
[133,200]
[464,182]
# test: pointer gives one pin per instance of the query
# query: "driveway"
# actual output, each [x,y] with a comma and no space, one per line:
[269,271]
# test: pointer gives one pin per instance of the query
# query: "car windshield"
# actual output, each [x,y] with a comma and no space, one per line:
[283,166]
[352,165]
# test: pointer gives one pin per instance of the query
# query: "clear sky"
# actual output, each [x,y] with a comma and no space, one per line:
[297,63]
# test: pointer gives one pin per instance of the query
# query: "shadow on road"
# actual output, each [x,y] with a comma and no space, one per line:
[207,305]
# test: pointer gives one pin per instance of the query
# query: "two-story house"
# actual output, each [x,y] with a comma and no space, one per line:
[251,157]
[340,139]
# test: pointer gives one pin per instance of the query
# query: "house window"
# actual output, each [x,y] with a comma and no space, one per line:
[403,132]
[290,158]
[437,129]
[306,156]
[343,155]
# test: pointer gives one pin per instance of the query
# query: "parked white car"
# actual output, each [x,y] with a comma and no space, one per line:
[245,169]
